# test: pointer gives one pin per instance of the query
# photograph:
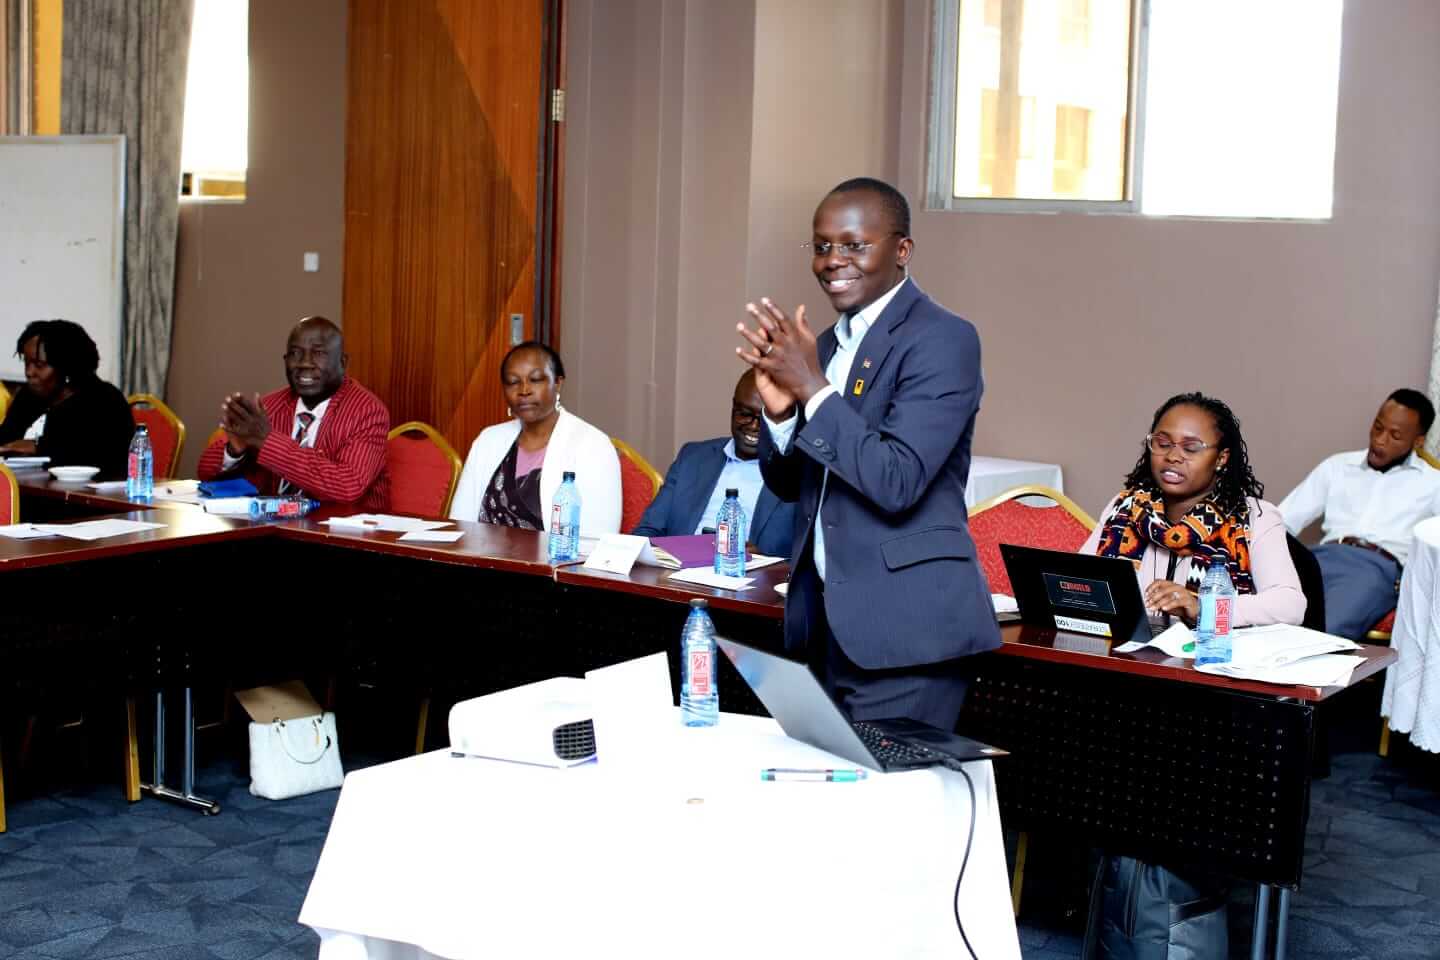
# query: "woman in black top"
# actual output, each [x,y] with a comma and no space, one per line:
[87,422]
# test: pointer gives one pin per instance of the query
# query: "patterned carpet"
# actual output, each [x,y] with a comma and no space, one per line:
[83,874]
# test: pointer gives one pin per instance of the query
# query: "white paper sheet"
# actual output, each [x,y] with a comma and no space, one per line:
[228,506]
[615,553]
[23,531]
[109,486]
[706,576]
[758,561]
[385,521]
[432,536]
[97,529]
[1321,670]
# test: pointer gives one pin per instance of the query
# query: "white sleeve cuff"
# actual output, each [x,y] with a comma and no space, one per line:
[780,433]
[228,462]
[814,402]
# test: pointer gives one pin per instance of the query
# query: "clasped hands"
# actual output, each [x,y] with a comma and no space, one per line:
[1166,596]
[782,351]
[245,424]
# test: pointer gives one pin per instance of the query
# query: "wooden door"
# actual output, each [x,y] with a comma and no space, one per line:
[443,200]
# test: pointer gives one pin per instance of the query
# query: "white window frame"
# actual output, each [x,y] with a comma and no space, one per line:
[940,177]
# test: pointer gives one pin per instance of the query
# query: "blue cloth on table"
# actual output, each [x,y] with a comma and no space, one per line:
[234,487]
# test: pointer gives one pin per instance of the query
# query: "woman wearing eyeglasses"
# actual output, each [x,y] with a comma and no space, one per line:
[1191,501]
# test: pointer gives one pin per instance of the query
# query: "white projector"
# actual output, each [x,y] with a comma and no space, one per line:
[546,723]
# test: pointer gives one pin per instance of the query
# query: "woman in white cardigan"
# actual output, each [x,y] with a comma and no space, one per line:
[514,468]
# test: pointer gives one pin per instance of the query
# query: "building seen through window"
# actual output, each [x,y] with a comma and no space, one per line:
[213,153]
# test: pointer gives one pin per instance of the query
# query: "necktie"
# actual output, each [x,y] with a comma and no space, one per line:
[302,426]
[303,420]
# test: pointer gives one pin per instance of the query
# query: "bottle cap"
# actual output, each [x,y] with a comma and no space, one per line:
[568,475]
[699,603]
[732,491]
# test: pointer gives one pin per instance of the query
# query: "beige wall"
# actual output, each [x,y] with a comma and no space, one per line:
[239,283]
[1088,322]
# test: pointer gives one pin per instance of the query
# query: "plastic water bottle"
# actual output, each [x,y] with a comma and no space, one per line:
[699,696]
[280,508]
[730,536]
[565,521]
[1217,616]
[140,475]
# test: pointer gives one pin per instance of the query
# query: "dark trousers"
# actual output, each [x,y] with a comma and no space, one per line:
[1359,588]
[931,693]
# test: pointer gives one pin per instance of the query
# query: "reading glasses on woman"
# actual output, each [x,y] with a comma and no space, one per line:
[1190,446]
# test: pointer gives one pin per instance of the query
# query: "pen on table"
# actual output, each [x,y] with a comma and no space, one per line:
[815,776]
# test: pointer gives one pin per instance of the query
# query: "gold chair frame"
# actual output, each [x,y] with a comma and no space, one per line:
[154,402]
[416,426]
[1036,490]
[626,450]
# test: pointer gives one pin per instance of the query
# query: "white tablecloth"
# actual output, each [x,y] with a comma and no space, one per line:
[437,856]
[992,475]
[1412,684]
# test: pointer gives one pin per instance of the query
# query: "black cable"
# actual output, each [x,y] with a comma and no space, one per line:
[964,862]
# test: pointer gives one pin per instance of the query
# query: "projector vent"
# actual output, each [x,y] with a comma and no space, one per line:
[575,741]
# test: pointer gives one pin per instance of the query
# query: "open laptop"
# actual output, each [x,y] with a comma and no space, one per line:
[806,713]
[1079,592]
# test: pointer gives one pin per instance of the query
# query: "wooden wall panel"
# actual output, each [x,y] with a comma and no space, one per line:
[441,181]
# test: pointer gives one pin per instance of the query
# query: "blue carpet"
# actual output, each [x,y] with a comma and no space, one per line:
[84,874]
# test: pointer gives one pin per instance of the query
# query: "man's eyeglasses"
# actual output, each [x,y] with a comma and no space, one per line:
[744,415]
[298,354]
[851,249]
[1159,443]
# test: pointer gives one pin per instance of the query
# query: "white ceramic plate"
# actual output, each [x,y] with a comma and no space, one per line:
[73,474]
[783,589]
[16,462]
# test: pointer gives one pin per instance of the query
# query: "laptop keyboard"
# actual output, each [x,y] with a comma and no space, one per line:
[888,750]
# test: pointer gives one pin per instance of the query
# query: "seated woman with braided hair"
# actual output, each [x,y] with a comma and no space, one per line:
[1191,501]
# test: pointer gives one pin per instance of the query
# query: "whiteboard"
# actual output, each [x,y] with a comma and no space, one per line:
[62,241]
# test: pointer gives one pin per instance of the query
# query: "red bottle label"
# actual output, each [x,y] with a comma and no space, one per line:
[700,673]
[722,538]
[1222,615]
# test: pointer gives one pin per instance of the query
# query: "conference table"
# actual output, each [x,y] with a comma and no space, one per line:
[1134,753]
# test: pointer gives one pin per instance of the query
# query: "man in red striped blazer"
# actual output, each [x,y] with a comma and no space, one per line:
[324,435]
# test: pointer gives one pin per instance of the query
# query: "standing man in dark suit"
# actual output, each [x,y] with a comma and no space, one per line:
[696,482]
[868,430]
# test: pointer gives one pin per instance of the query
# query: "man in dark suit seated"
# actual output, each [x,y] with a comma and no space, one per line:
[696,482]
[867,428]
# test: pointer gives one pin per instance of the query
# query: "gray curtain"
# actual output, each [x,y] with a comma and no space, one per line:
[123,71]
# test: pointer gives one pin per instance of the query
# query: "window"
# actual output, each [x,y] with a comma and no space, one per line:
[1146,113]
[213,152]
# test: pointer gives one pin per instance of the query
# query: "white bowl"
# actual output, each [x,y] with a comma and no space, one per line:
[73,474]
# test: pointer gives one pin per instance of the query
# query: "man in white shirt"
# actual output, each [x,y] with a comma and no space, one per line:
[1370,500]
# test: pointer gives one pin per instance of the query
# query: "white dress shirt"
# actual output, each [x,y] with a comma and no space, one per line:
[228,462]
[744,476]
[849,333]
[1357,500]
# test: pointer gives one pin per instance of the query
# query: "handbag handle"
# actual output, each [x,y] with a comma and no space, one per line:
[280,735]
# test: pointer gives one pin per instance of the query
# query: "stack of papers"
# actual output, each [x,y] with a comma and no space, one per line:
[1277,653]
[707,577]
[85,530]
[412,528]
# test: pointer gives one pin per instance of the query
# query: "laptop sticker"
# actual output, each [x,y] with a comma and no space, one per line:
[1080,593]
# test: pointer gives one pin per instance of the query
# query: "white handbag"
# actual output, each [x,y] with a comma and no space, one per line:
[290,758]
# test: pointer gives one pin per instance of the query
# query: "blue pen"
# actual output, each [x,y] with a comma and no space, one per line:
[812,776]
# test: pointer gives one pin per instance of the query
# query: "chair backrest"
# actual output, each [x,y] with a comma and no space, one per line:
[167,431]
[9,496]
[1428,458]
[5,399]
[1006,518]
[638,485]
[1312,582]
[424,470]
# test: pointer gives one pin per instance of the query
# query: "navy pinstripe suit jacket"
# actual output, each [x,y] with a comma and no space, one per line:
[903,586]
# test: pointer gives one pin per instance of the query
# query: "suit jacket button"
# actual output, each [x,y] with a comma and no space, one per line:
[818,443]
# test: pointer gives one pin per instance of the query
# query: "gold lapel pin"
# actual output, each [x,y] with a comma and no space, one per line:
[859,387]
